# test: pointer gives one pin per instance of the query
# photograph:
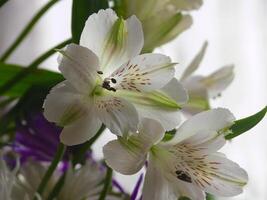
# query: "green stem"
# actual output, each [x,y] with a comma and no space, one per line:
[51,169]
[34,65]
[87,145]
[2,2]
[26,30]
[57,187]
[107,184]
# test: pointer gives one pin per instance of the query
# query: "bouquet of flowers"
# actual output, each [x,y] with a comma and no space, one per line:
[110,79]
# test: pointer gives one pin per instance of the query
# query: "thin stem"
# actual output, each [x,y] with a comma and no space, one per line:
[57,187]
[59,154]
[34,65]
[87,145]
[27,29]
[107,184]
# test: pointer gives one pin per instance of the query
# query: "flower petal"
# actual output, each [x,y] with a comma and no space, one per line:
[81,130]
[124,157]
[207,141]
[193,66]
[79,66]
[117,114]
[162,105]
[150,132]
[211,120]
[188,190]
[227,177]
[164,26]
[198,96]
[112,39]
[156,187]
[187,5]
[176,91]
[169,119]
[144,73]
[218,81]
[64,104]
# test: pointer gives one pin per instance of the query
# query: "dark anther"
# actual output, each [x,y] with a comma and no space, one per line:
[107,86]
[99,72]
[112,89]
[184,176]
[113,80]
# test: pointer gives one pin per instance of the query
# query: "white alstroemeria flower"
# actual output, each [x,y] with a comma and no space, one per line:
[107,81]
[30,177]
[203,88]
[162,20]
[187,165]
[83,183]
[7,180]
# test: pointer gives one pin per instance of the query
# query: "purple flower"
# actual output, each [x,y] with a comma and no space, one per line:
[36,138]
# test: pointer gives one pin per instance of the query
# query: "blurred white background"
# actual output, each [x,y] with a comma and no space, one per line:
[237,34]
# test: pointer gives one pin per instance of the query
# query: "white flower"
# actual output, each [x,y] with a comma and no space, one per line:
[107,81]
[202,88]
[82,183]
[162,20]
[85,182]
[187,165]
[7,180]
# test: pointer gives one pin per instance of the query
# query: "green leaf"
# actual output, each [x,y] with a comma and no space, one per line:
[81,10]
[2,2]
[39,77]
[169,135]
[184,198]
[243,125]
[209,197]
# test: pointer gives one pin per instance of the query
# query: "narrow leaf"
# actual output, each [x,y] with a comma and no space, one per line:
[39,77]
[2,2]
[81,10]
[243,125]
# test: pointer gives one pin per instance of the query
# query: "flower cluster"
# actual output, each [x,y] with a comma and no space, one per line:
[138,98]
[164,126]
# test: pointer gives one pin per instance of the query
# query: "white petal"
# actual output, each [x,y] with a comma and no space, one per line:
[156,187]
[189,190]
[193,66]
[219,80]
[207,141]
[212,120]
[163,26]
[124,157]
[176,91]
[79,66]
[64,104]
[169,119]
[198,96]
[81,130]
[150,132]
[182,25]
[144,73]
[117,114]
[187,4]
[227,177]
[114,43]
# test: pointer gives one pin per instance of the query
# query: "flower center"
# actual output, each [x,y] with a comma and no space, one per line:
[107,83]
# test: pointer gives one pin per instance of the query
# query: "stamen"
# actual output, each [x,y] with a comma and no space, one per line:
[106,85]
[113,80]
[99,72]
[184,176]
